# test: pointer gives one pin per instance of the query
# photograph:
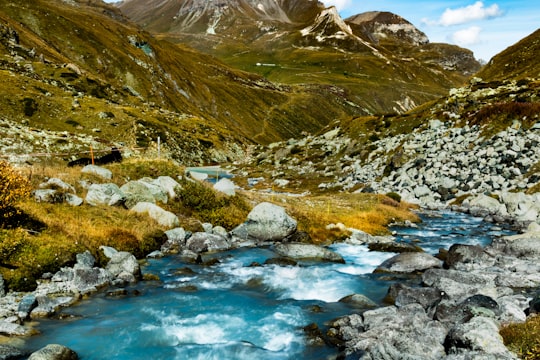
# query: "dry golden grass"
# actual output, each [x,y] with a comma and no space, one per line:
[524,339]
[366,212]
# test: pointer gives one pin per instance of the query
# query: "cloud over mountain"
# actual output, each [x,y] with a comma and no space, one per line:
[469,13]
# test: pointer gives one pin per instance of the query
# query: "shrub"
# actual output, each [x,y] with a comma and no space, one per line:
[524,339]
[13,187]
[394,196]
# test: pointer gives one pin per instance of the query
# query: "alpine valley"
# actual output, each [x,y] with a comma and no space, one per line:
[376,195]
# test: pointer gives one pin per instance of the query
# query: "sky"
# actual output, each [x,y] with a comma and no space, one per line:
[485,27]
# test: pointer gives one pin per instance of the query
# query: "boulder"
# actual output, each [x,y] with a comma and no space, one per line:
[55,183]
[358,300]
[136,192]
[26,305]
[401,295]
[49,305]
[54,352]
[73,199]
[408,263]
[11,329]
[50,196]
[225,186]
[457,285]
[266,222]
[397,247]
[162,217]
[169,185]
[97,170]
[176,239]
[203,242]
[307,251]
[491,205]
[534,304]
[158,192]
[460,254]
[2,287]
[124,262]
[8,352]
[478,334]
[105,194]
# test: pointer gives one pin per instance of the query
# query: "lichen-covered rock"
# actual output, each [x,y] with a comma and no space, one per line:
[136,192]
[204,242]
[307,251]
[104,194]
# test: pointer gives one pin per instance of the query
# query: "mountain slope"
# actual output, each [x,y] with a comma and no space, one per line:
[63,72]
[519,61]
[300,42]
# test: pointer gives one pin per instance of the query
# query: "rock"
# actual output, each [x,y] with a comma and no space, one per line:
[491,205]
[57,184]
[2,287]
[170,185]
[162,217]
[158,192]
[97,170]
[105,194]
[459,254]
[478,334]
[54,352]
[11,329]
[408,263]
[534,304]
[458,285]
[26,305]
[8,352]
[266,222]
[358,300]
[225,186]
[85,260]
[73,199]
[48,196]
[124,262]
[48,306]
[402,295]
[136,192]
[307,251]
[397,247]
[176,239]
[204,242]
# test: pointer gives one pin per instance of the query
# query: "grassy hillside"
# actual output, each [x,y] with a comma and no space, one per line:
[83,68]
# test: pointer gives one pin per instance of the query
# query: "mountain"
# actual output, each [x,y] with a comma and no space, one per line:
[82,68]
[382,61]
[518,61]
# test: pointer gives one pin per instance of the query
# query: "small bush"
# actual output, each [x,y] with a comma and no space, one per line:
[13,187]
[394,196]
[524,339]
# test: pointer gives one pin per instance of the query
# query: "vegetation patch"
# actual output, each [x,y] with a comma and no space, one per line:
[523,339]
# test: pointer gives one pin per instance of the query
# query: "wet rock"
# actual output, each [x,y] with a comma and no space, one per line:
[307,251]
[49,305]
[54,352]
[203,242]
[124,264]
[408,263]
[26,305]
[176,239]
[397,247]
[280,261]
[8,352]
[12,329]
[358,300]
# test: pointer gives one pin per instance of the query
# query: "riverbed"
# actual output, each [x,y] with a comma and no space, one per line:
[240,307]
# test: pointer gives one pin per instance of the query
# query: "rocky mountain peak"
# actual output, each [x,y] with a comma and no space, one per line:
[381,25]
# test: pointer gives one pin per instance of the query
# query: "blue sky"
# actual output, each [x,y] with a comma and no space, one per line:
[485,27]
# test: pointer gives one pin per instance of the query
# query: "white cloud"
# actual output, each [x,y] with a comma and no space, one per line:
[466,14]
[339,4]
[467,37]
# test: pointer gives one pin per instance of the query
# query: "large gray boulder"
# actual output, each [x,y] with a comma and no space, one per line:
[225,186]
[408,263]
[205,242]
[457,285]
[11,329]
[176,239]
[266,222]
[136,192]
[104,194]
[54,352]
[169,185]
[163,217]
[307,251]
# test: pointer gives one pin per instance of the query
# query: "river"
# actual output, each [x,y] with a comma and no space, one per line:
[238,309]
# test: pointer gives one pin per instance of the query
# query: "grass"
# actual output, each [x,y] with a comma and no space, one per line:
[44,237]
[524,338]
